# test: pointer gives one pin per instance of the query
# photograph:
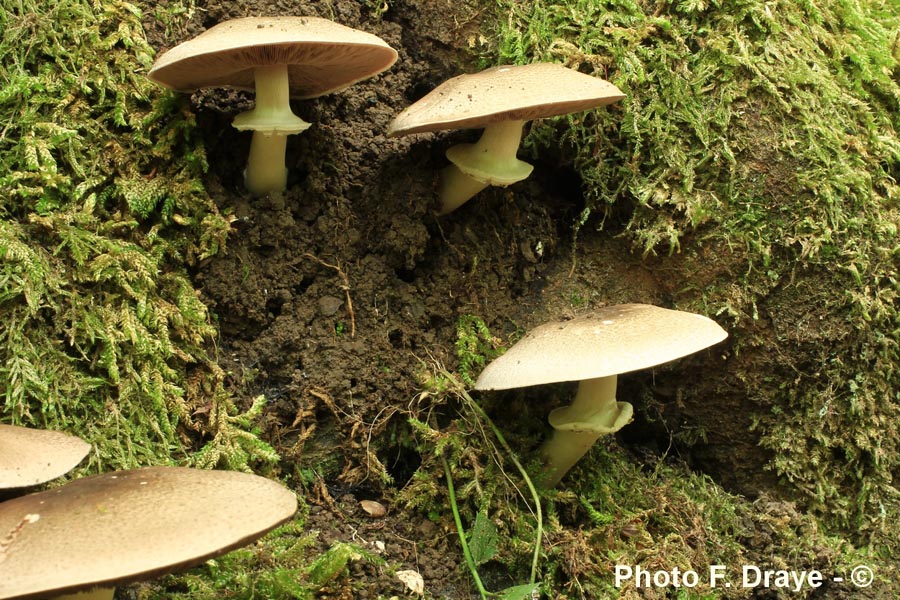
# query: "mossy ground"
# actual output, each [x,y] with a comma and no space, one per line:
[103,211]
[751,168]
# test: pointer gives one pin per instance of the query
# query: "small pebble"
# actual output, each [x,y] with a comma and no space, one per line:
[374,509]
[329,305]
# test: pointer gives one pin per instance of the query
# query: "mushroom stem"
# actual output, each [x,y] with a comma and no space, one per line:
[456,188]
[501,140]
[593,413]
[490,161]
[99,593]
[271,121]
[265,170]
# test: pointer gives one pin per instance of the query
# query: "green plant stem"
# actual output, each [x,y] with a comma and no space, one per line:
[531,488]
[459,529]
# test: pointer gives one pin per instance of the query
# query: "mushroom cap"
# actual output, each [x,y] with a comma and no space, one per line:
[117,527]
[609,341]
[322,56]
[507,93]
[32,456]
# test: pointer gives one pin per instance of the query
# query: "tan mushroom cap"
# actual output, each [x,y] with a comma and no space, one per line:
[508,93]
[608,341]
[33,456]
[322,56]
[118,527]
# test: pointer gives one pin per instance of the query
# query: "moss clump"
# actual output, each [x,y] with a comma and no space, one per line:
[767,130]
[288,563]
[710,87]
[474,347]
[662,516]
[103,334]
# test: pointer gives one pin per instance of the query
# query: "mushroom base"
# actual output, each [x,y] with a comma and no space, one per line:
[265,170]
[456,188]
[593,413]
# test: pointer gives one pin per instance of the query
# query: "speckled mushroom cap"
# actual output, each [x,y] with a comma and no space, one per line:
[33,456]
[509,93]
[322,56]
[110,529]
[609,341]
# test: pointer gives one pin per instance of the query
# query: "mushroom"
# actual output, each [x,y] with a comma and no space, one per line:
[33,456]
[83,538]
[500,100]
[280,58]
[594,349]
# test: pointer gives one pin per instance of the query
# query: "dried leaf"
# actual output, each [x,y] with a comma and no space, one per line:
[413,581]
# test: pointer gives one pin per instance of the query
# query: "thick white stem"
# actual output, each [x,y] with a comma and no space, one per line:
[594,402]
[272,111]
[265,167]
[273,90]
[490,161]
[501,140]
[271,121]
[456,188]
[594,412]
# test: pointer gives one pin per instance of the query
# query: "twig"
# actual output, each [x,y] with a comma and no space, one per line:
[345,287]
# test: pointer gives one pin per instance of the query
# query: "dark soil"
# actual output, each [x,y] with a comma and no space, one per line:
[332,295]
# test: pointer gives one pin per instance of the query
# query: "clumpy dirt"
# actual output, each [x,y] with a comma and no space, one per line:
[331,295]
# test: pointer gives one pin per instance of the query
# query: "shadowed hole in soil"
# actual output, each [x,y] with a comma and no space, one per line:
[401,463]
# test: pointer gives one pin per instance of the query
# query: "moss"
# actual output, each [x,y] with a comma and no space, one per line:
[766,130]
[662,516]
[103,209]
[474,346]
[291,562]
[271,568]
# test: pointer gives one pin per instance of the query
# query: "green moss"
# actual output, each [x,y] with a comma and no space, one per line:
[768,131]
[710,87]
[466,454]
[474,346]
[663,516]
[271,568]
[285,564]
[377,7]
[102,209]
